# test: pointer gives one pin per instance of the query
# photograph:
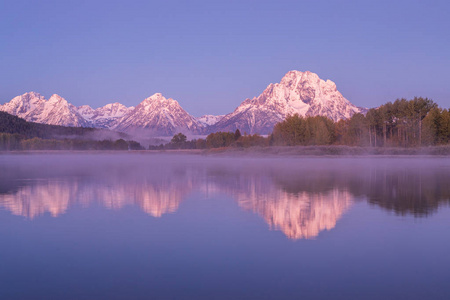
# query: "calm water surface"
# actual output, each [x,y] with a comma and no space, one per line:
[91,226]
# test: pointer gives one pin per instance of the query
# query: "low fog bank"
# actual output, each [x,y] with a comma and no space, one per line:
[146,162]
[148,137]
[328,151]
[134,165]
[268,186]
[97,135]
[142,137]
[145,137]
[261,152]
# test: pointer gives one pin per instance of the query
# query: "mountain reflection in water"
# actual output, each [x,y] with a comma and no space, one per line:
[300,197]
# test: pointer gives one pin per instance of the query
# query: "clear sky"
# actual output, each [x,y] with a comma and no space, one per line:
[211,55]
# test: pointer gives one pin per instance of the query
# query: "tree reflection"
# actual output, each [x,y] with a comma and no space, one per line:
[301,198]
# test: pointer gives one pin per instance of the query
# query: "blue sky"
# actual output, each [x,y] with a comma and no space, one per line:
[211,55]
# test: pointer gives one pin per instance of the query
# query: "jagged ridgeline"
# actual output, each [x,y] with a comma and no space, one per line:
[302,93]
[18,134]
[324,116]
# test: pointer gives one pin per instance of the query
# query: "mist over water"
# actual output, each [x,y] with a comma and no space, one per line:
[193,226]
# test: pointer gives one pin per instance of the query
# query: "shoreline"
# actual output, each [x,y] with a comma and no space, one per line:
[347,151]
[273,151]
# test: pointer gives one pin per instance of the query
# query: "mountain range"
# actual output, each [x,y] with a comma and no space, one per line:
[302,93]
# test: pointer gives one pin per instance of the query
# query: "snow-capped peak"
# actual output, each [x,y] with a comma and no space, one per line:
[56,98]
[22,104]
[34,108]
[105,116]
[302,93]
[158,97]
[208,120]
[160,115]
[85,111]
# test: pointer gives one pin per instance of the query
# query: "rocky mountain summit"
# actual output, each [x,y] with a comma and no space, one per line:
[161,116]
[208,120]
[302,93]
[106,116]
[33,107]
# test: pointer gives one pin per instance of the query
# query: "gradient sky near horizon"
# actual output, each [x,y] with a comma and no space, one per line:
[212,55]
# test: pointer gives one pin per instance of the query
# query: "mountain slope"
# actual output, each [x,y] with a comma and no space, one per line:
[55,111]
[106,116]
[13,124]
[208,120]
[298,92]
[160,116]
[302,93]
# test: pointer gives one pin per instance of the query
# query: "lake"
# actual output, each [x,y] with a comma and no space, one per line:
[158,226]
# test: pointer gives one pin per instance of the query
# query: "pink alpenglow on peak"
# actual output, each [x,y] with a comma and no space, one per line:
[154,114]
[21,105]
[302,93]
[161,116]
[208,120]
[106,116]
[55,111]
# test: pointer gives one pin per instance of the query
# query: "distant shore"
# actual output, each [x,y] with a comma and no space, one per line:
[333,151]
[271,151]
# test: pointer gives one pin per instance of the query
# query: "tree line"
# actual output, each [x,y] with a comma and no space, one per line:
[17,142]
[214,140]
[402,123]
[18,134]
[13,124]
